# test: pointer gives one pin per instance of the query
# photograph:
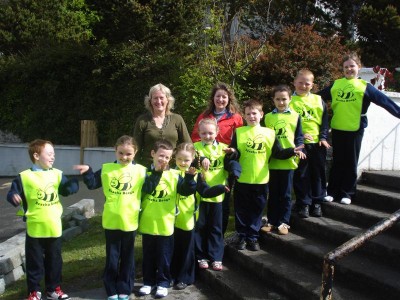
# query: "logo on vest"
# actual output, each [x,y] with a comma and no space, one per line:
[256,144]
[48,195]
[280,129]
[306,113]
[160,194]
[346,94]
[215,164]
[123,183]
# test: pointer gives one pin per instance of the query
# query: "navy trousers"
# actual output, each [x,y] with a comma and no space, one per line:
[280,198]
[249,201]
[184,260]
[119,271]
[309,180]
[209,240]
[345,155]
[43,256]
[157,256]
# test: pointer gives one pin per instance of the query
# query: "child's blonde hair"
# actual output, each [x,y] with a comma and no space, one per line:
[36,146]
[210,121]
[305,72]
[189,147]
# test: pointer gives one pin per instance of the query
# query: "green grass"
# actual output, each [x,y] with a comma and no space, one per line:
[84,258]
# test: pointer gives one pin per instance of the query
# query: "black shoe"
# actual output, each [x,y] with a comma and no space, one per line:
[304,212]
[316,211]
[240,244]
[252,245]
[181,286]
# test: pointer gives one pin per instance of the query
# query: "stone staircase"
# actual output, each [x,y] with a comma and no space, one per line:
[290,267]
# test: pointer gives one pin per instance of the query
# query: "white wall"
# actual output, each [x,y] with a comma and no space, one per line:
[15,158]
[381,144]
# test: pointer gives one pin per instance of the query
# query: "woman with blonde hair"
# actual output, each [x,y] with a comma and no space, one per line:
[158,123]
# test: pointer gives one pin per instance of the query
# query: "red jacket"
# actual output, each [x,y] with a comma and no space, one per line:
[227,125]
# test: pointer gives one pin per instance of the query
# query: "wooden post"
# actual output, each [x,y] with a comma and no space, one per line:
[88,136]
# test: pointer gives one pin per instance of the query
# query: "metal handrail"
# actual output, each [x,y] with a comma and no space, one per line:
[331,258]
[381,145]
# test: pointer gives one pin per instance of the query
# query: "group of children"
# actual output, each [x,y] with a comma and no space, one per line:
[178,211]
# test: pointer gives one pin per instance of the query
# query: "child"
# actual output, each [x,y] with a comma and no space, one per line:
[287,127]
[183,261]
[158,217]
[223,106]
[37,189]
[209,237]
[350,98]
[254,145]
[122,182]
[309,181]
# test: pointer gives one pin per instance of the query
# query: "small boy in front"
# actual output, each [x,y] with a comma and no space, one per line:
[254,146]
[37,189]
[309,181]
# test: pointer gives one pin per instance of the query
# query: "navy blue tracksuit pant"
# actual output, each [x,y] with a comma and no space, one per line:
[157,256]
[249,201]
[209,240]
[184,260]
[309,180]
[43,257]
[343,173]
[119,271]
[280,197]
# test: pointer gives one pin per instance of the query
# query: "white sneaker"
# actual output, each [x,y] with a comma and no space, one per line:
[57,294]
[161,292]
[328,198]
[145,290]
[346,201]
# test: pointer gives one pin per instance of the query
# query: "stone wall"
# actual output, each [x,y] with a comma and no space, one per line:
[12,251]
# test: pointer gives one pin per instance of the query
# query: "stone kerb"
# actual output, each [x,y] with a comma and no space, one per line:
[12,251]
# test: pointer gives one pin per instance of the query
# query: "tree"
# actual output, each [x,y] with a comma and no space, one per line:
[379,33]
[296,48]
[25,24]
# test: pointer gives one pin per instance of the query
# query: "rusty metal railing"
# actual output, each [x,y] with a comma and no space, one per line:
[331,258]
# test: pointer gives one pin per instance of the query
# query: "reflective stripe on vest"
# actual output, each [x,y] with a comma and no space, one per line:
[122,186]
[347,98]
[44,209]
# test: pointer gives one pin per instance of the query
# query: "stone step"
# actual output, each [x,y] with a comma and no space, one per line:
[354,271]
[357,215]
[288,277]
[384,179]
[235,284]
[377,198]
[383,247]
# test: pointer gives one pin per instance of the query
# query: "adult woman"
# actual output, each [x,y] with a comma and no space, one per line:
[350,98]
[224,108]
[158,123]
